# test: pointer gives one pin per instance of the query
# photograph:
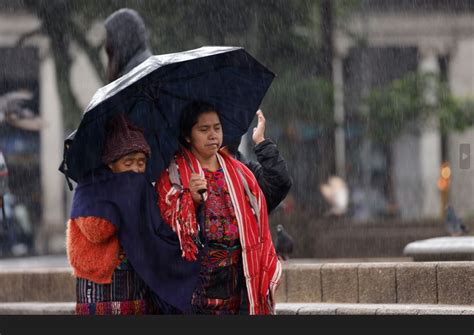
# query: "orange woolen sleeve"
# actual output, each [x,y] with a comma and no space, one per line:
[96,230]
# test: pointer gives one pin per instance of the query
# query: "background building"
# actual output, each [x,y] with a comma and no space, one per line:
[401,37]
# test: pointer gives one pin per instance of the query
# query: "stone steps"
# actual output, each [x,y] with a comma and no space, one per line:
[371,309]
[447,283]
[37,308]
[330,288]
[45,285]
[67,308]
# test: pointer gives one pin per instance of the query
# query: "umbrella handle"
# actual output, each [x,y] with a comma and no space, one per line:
[201,191]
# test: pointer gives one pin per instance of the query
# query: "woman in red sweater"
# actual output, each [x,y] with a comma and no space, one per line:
[218,211]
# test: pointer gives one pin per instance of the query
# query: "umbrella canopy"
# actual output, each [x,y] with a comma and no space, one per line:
[153,94]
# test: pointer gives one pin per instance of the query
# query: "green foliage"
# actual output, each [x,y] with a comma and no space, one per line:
[403,104]
[388,109]
[311,99]
[454,113]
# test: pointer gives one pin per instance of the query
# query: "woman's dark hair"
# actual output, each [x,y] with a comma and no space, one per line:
[189,117]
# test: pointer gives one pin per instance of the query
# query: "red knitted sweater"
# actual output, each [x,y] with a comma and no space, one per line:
[92,248]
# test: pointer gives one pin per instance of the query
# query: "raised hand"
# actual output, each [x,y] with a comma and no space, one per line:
[259,131]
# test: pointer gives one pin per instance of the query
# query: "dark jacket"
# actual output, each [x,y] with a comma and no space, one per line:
[271,172]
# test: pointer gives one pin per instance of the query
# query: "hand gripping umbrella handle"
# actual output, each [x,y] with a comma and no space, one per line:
[201,191]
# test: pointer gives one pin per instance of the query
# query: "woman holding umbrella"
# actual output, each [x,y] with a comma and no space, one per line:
[215,206]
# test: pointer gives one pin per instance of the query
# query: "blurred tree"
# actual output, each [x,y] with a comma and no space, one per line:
[327,27]
[402,106]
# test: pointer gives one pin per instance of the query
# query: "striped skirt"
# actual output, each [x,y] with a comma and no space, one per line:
[126,295]
[221,283]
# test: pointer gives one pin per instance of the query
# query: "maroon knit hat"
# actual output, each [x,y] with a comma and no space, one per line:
[122,138]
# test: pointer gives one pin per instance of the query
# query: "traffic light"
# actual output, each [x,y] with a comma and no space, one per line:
[445,177]
[444,181]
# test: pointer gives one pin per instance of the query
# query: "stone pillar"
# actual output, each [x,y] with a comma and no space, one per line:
[407,175]
[56,196]
[461,82]
[51,236]
[430,141]
[417,158]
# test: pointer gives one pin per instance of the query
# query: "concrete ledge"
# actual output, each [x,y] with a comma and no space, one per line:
[447,283]
[370,309]
[48,285]
[339,283]
[416,283]
[37,308]
[375,283]
[446,248]
[68,308]
[304,283]
[455,283]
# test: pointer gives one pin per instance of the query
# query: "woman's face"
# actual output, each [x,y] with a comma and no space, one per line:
[134,162]
[206,135]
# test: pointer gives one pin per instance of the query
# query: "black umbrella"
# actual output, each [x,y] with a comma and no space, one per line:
[153,95]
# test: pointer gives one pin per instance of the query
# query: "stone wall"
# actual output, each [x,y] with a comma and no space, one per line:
[447,283]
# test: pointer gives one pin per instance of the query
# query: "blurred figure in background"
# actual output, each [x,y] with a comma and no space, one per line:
[454,225]
[126,42]
[369,202]
[16,230]
[19,233]
[14,112]
[336,193]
